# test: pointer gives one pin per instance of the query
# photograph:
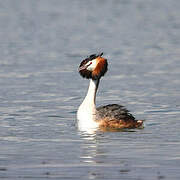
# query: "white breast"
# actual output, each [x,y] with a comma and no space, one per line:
[86,119]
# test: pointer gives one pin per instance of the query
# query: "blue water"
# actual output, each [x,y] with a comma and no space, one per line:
[41,45]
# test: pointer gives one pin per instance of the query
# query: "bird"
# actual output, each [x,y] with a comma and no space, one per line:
[112,116]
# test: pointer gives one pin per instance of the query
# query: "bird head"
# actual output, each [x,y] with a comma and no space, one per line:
[93,67]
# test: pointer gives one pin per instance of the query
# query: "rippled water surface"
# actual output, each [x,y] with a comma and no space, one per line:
[41,45]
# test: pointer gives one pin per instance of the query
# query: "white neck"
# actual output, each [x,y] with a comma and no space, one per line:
[87,110]
[90,98]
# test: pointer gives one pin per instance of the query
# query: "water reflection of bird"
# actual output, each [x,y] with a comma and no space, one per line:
[112,116]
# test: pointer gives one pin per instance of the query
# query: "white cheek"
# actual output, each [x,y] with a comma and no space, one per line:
[92,66]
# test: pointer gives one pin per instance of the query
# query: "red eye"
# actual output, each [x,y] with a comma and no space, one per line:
[90,62]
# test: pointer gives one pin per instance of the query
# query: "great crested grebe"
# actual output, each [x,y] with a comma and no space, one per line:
[111,116]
